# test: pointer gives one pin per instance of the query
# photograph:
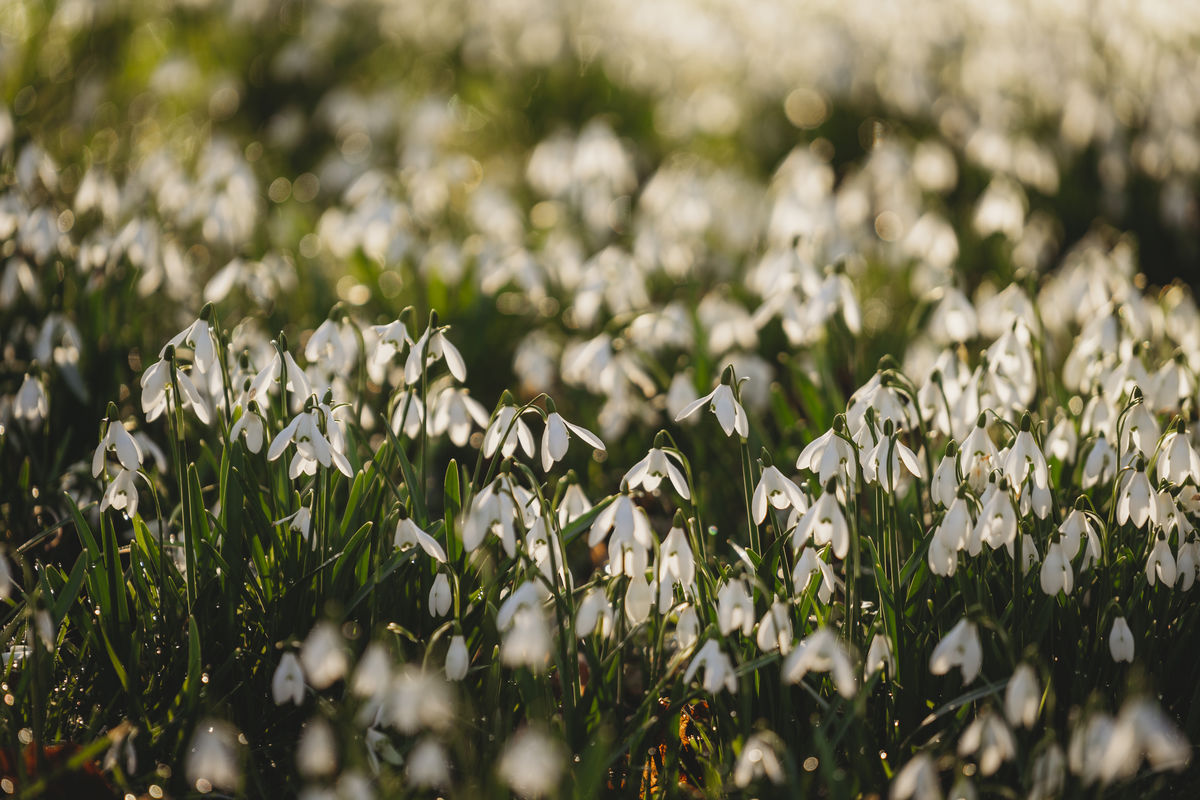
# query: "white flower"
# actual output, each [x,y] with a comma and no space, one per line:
[718,669]
[989,736]
[735,608]
[757,760]
[493,510]
[316,752]
[1022,697]
[1137,501]
[879,655]
[30,402]
[830,456]
[1177,460]
[958,648]
[676,567]
[573,505]
[1186,563]
[409,535]
[440,596]
[120,441]
[121,493]
[825,524]
[454,411]
[373,673]
[532,763]
[943,486]
[775,629]
[595,614]
[313,446]
[287,684]
[807,563]
[333,345]
[323,656]
[428,765]
[977,456]
[407,414]
[1101,463]
[649,472]
[631,537]
[433,345]
[500,432]
[298,522]
[821,652]
[212,759]
[1160,566]
[458,660]
[1120,641]
[1048,774]
[724,405]
[687,627]
[249,424]
[1062,440]
[1141,730]
[918,779]
[554,439]
[1056,571]
[778,491]
[1078,528]
[279,368]
[882,464]
[391,341]
[199,338]
[157,391]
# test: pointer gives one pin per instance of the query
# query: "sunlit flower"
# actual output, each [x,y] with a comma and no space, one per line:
[554,439]
[958,648]
[724,405]
[1120,641]
[758,759]
[649,472]
[1022,696]
[718,669]
[287,685]
[458,660]
[821,652]
[990,737]
[532,763]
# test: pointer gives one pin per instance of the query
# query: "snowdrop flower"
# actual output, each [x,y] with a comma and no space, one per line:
[918,779]
[212,759]
[157,391]
[758,759]
[735,608]
[119,441]
[249,423]
[323,656]
[532,764]
[631,537]
[440,596]
[879,655]
[989,736]
[722,403]
[958,648]
[943,486]
[1048,774]
[6,578]
[527,641]
[554,438]
[1120,641]
[824,523]
[676,567]
[1142,730]
[499,434]
[687,627]
[997,524]
[1187,562]
[418,699]
[882,464]
[1101,463]
[287,684]
[391,339]
[1079,528]
[428,765]
[830,456]
[977,456]
[777,491]
[30,402]
[493,510]
[639,598]
[807,563]
[281,368]
[409,535]
[1022,697]
[1177,460]
[718,669]
[199,338]
[595,614]
[1062,440]
[313,446]
[333,345]
[1026,461]
[373,674]
[1056,574]
[432,346]
[1136,501]
[298,522]
[408,413]
[121,493]
[649,472]
[775,629]
[454,411]
[1088,746]
[1160,566]
[458,660]
[821,652]
[316,752]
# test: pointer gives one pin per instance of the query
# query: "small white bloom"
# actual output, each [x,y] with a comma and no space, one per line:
[778,491]
[323,656]
[1120,641]
[687,627]
[212,758]
[958,648]
[724,405]
[119,441]
[1160,566]
[649,472]
[735,608]
[718,669]
[1022,697]
[458,660]
[532,763]
[1137,501]
[428,765]
[316,752]
[440,596]
[30,402]
[879,656]
[373,673]
[409,535]
[821,652]
[433,345]
[918,779]
[287,685]
[500,434]
[758,759]
[775,629]
[1056,571]
[824,523]
[554,439]
[989,736]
